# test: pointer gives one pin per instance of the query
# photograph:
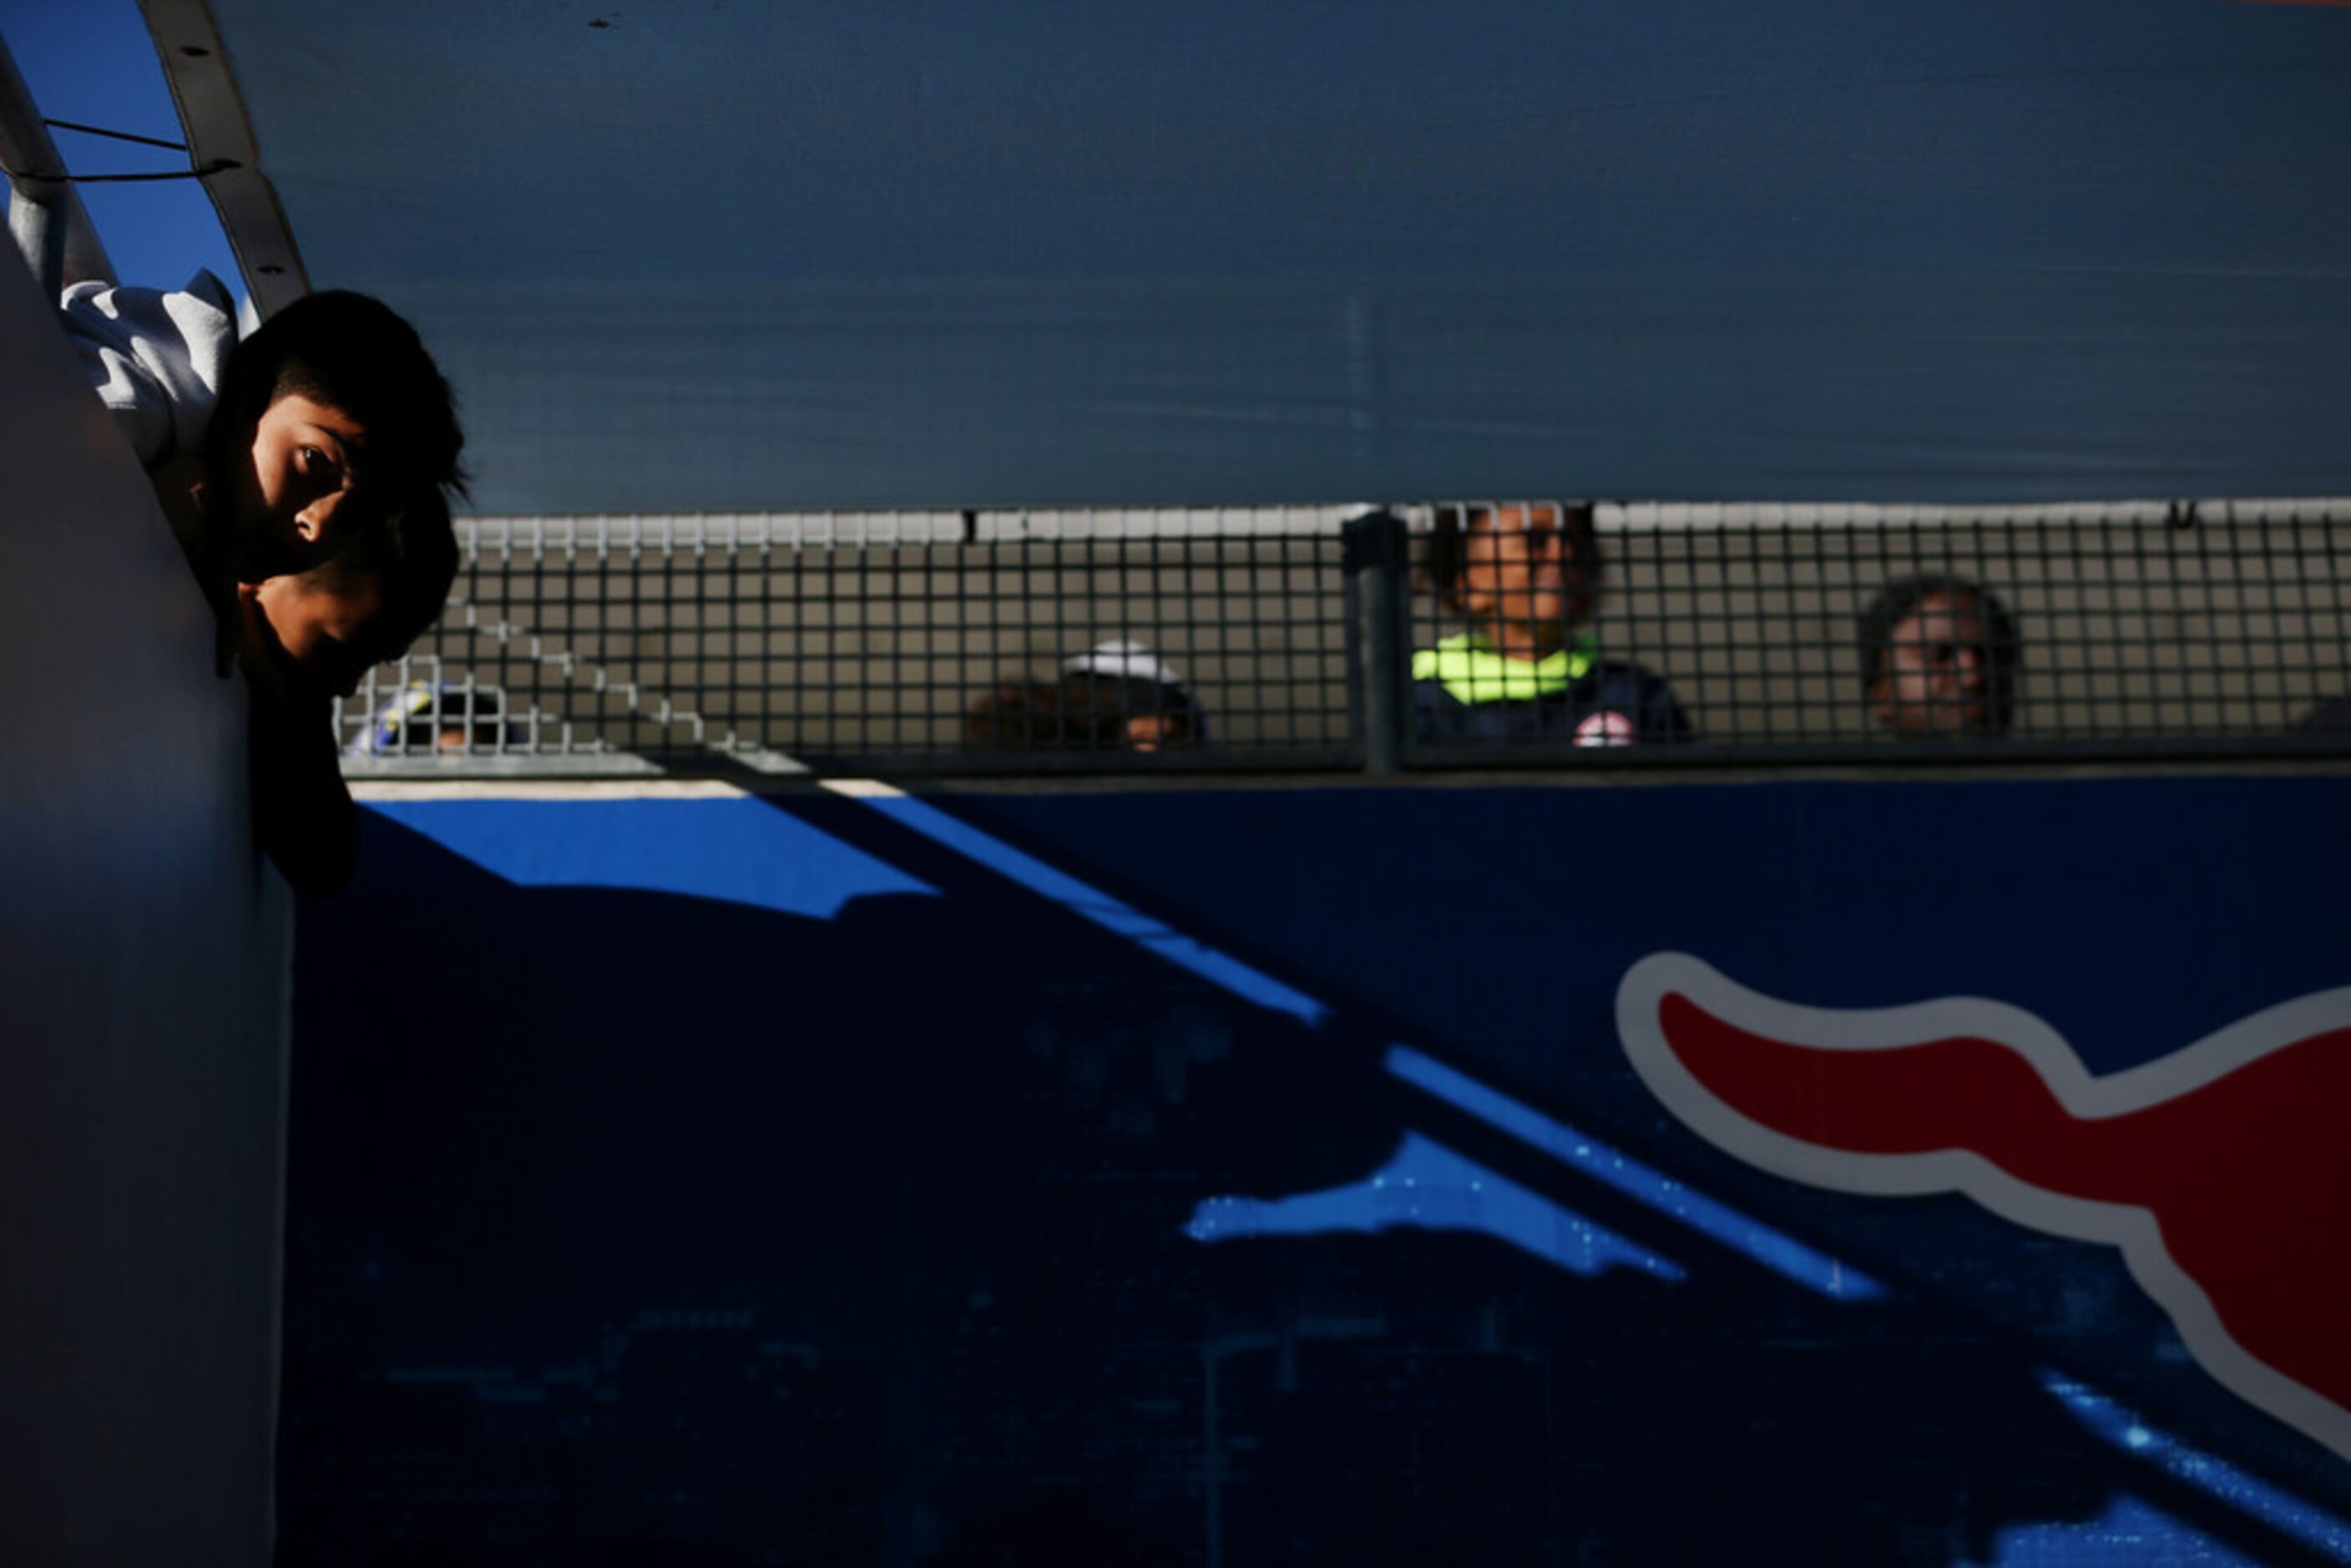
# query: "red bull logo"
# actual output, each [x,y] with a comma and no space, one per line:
[2221,1171]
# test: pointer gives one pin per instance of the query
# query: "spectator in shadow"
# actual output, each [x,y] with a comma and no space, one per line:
[2329,715]
[305,472]
[304,639]
[269,454]
[1117,696]
[1526,576]
[447,717]
[1938,658]
[1157,709]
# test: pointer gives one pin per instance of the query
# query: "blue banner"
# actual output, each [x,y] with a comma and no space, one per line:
[1707,1173]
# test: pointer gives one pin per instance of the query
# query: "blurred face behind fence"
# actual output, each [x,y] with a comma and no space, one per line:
[1522,579]
[1935,677]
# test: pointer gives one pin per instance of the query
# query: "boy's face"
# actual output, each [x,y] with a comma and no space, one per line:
[1936,677]
[306,455]
[1518,564]
[310,639]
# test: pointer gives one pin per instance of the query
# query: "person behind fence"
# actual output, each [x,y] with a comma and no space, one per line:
[1527,579]
[425,718]
[306,471]
[1939,656]
[1116,697]
[2328,715]
[1155,709]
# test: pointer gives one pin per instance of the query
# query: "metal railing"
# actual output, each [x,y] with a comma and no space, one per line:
[1283,638]
[45,215]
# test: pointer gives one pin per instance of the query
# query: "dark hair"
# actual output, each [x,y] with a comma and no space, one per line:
[1447,551]
[411,552]
[1035,715]
[479,715]
[354,353]
[1119,698]
[419,716]
[2327,716]
[2003,649]
[1083,711]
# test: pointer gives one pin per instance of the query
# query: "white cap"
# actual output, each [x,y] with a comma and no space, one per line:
[1122,657]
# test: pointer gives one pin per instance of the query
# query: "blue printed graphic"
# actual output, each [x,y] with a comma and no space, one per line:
[739,851]
[1780,1253]
[917,1202]
[2208,1473]
[1110,914]
[1430,1188]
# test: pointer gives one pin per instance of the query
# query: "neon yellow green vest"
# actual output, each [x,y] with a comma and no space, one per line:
[1471,672]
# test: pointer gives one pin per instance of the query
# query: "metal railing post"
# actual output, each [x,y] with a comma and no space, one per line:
[1376,562]
[47,218]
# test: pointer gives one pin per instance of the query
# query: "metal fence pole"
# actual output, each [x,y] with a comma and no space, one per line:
[47,218]
[1375,560]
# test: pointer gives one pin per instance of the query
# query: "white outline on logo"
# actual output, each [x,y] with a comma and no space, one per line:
[2131,1228]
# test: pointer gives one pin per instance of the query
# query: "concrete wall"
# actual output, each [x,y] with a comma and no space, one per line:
[143,956]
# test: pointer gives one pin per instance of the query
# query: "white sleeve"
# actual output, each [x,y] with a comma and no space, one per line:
[155,358]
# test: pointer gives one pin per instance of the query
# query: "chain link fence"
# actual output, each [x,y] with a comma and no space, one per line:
[1458,633]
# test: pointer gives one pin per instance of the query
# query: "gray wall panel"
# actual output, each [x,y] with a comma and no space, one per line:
[144,953]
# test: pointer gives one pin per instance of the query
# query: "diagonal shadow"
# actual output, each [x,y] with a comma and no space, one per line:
[627,1222]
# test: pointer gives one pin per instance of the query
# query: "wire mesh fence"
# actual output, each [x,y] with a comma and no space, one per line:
[2126,624]
[1509,630]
